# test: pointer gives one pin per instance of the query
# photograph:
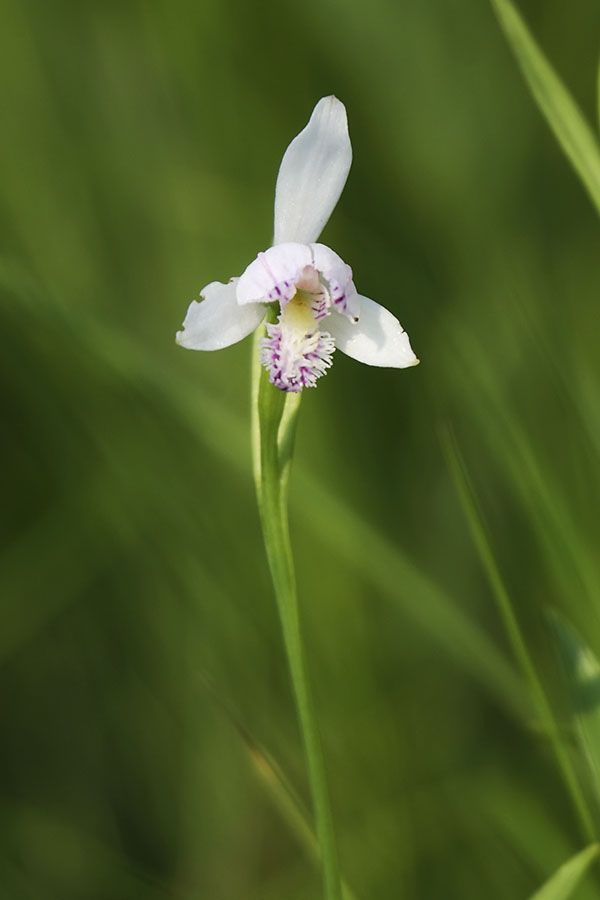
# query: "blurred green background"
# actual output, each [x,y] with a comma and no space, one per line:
[143,683]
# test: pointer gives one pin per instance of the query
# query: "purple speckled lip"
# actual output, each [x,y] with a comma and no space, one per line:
[295,364]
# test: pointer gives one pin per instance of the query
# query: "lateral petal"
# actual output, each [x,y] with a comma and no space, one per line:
[218,321]
[377,339]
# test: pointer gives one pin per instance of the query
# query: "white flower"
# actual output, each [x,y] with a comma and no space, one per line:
[320,308]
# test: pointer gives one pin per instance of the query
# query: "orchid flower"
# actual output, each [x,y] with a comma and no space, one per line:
[319,307]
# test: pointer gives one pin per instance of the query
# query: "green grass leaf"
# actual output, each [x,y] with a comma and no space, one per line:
[598,90]
[505,606]
[564,881]
[582,670]
[274,780]
[562,113]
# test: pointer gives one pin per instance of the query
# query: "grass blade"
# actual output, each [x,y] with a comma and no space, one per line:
[564,881]
[562,113]
[582,670]
[513,630]
[598,91]
[276,783]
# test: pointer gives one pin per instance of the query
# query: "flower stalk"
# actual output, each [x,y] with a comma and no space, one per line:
[306,295]
[274,417]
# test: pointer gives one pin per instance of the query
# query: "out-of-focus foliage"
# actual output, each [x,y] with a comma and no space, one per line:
[150,749]
[562,884]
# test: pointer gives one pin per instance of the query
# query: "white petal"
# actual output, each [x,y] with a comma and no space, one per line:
[339,277]
[377,339]
[312,174]
[273,274]
[218,320]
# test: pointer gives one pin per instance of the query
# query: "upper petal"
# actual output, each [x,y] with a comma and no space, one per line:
[312,174]
[218,320]
[273,274]
[377,339]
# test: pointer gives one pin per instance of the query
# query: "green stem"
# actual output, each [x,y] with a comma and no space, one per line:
[273,427]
